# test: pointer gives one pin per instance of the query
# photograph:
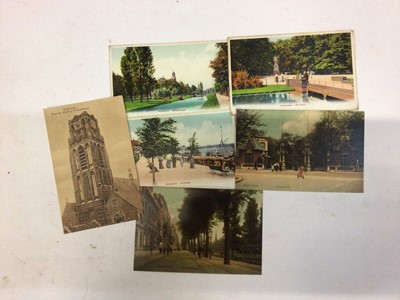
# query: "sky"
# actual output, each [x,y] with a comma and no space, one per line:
[189,61]
[296,122]
[206,126]
[174,198]
[113,127]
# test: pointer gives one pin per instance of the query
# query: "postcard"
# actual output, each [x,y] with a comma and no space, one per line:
[293,150]
[313,71]
[181,78]
[93,163]
[185,151]
[199,231]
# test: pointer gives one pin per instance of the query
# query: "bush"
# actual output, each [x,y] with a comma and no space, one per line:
[242,80]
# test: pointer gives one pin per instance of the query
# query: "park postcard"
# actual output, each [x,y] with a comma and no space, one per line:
[293,71]
[213,231]
[293,150]
[93,163]
[194,151]
[181,78]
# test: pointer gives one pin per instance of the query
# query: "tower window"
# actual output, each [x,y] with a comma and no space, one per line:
[82,158]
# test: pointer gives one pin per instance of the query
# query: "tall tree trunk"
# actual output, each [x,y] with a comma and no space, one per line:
[227,232]
[207,244]
[154,173]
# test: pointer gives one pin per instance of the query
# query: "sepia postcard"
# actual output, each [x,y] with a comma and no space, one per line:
[313,71]
[93,164]
[185,151]
[165,79]
[213,231]
[293,150]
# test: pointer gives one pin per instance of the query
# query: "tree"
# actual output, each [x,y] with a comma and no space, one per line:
[220,66]
[251,227]
[193,145]
[126,69]
[118,85]
[137,69]
[155,137]
[252,55]
[199,90]
[248,126]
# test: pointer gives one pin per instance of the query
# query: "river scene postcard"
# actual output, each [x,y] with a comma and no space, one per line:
[185,151]
[165,79]
[313,71]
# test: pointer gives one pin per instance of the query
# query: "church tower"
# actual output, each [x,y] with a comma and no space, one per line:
[173,76]
[91,171]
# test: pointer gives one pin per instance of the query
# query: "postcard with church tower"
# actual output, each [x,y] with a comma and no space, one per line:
[313,71]
[93,163]
[171,79]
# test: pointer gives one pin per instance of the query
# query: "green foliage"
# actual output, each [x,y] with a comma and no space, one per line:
[118,85]
[321,53]
[194,147]
[212,101]
[251,227]
[248,125]
[156,136]
[333,128]
[264,89]
[137,69]
[220,66]
[253,55]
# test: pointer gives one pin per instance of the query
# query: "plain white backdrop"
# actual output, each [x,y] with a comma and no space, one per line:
[315,245]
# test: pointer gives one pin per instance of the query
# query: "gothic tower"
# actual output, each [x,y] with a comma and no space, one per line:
[91,171]
[173,76]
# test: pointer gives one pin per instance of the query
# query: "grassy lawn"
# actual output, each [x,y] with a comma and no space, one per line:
[264,89]
[212,101]
[136,104]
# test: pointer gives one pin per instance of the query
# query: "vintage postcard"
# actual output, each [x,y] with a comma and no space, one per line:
[93,164]
[182,78]
[293,150]
[185,151]
[295,71]
[213,231]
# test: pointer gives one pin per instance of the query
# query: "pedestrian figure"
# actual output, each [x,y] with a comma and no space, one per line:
[276,167]
[199,250]
[300,173]
[160,164]
[191,162]
[255,165]
[181,161]
[276,78]
[160,247]
[174,161]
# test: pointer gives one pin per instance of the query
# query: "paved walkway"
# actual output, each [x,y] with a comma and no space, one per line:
[185,262]
[287,181]
[199,177]
[223,101]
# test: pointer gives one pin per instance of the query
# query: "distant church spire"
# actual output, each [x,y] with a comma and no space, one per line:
[173,76]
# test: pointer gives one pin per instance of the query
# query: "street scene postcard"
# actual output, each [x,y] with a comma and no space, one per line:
[185,151]
[293,150]
[297,71]
[93,164]
[213,231]
[183,78]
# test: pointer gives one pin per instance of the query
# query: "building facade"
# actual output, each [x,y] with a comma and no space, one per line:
[100,199]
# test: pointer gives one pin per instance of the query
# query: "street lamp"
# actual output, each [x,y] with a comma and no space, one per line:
[282,155]
[307,153]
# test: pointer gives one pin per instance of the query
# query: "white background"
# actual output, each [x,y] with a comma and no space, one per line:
[315,245]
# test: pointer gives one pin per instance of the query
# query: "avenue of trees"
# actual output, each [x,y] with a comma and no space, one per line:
[320,53]
[202,209]
[332,130]
[138,81]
